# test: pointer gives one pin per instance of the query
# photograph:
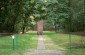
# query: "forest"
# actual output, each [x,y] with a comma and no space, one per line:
[58,15]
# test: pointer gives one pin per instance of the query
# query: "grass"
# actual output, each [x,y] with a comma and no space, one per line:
[22,43]
[61,42]
[53,41]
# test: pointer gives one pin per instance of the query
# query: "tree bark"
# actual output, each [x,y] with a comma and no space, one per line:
[40,27]
[23,30]
[55,27]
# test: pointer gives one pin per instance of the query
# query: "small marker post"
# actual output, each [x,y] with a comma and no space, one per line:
[13,37]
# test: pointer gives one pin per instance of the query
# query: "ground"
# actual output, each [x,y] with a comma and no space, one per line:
[50,43]
[41,49]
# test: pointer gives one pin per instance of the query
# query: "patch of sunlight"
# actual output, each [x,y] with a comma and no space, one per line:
[36,31]
[31,32]
[60,48]
[47,38]
[46,31]
[49,44]
[34,38]
[63,43]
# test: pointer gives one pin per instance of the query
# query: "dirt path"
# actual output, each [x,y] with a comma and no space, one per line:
[41,49]
[41,45]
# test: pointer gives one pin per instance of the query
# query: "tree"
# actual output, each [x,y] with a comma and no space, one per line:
[15,14]
[40,14]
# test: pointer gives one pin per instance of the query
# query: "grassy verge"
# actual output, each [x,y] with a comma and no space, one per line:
[22,43]
[61,42]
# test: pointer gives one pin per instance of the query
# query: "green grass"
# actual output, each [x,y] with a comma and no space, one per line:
[22,43]
[53,41]
[61,42]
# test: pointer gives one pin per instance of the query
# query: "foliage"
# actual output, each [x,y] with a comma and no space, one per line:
[19,15]
[65,14]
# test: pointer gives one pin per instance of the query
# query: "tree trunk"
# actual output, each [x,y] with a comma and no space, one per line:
[40,27]
[23,30]
[55,27]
